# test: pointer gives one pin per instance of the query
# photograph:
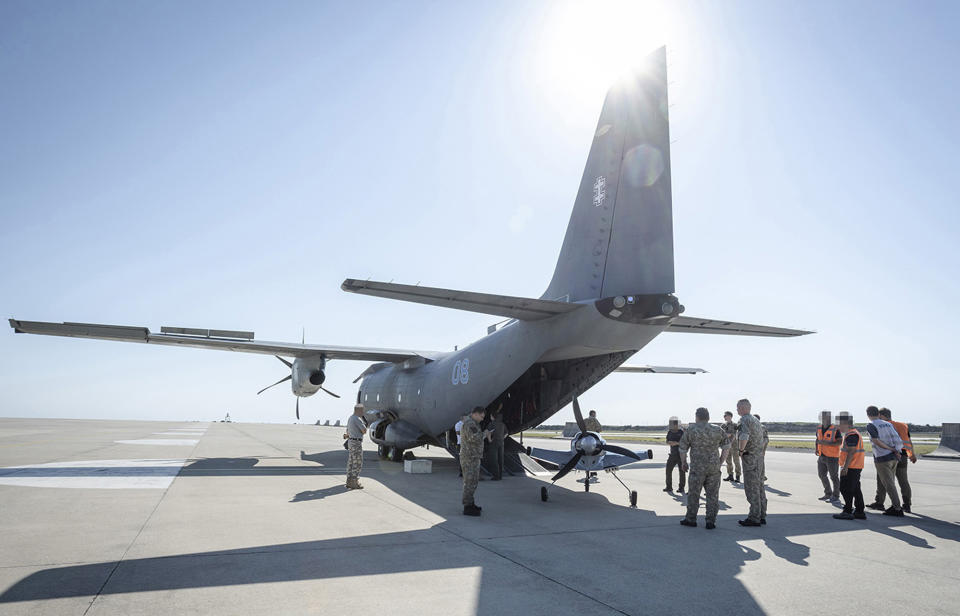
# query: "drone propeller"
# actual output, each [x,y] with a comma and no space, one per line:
[622,451]
[579,416]
[568,466]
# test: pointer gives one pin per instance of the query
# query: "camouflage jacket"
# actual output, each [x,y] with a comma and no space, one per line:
[592,424]
[703,441]
[730,430]
[471,439]
[752,432]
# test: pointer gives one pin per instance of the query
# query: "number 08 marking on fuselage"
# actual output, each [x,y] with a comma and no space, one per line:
[461,372]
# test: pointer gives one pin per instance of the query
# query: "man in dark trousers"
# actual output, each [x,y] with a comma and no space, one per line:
[674,433]
[851,465]
[497,431]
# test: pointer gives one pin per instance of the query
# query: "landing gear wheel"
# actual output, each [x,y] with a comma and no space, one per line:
[383,451]
[543,494]
[396,454]
[633,499]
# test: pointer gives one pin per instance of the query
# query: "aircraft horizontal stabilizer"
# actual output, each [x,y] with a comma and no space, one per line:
[711,326]
[660,370]
[522,308]
[243,344]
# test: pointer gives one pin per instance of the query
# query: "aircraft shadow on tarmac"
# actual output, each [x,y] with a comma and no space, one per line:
[658,551]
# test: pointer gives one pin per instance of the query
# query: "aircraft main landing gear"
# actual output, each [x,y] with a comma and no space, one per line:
[543,494]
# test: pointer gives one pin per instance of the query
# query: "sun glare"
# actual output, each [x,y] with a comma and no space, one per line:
[585,47]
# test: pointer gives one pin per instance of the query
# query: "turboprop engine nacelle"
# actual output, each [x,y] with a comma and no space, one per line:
[308,375]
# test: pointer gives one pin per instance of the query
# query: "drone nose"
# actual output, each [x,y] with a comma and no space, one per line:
[589,445]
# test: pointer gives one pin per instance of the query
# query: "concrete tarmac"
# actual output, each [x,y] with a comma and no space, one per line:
[131,517]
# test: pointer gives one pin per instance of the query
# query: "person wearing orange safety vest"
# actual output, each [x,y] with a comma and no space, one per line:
[906,453]
[851,466]
[828,455]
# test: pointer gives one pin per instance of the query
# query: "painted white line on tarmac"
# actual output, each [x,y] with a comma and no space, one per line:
[179,433]
[95,474]
[183,442]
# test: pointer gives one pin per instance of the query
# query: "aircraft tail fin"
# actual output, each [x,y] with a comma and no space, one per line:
[620,237]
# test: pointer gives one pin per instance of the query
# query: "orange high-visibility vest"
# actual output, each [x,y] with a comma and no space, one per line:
[829,434]
[904,431]
[857,460]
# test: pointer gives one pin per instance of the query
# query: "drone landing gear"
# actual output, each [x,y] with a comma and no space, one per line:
[632,493]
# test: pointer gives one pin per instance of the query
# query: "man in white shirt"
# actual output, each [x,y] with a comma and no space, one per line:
[886,454]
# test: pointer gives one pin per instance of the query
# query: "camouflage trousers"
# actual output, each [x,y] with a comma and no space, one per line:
[733,458]
[708,481]
[354,458]
[470,466]
[753,469]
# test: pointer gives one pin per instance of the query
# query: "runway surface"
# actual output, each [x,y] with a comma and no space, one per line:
[130,517]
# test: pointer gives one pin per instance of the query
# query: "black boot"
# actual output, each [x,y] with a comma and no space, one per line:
[471,510]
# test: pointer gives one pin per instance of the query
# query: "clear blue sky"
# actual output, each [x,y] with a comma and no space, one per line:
[227,165]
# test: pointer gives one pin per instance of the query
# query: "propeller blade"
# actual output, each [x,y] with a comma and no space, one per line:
[622,451]
[329,392]
[286,378]
[298,407]
[568,466]
[288,364]
[579,416]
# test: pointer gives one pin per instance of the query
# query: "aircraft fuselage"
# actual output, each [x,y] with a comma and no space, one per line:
[573,350]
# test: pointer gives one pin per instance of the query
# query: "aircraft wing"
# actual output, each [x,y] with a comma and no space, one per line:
[223,340]
[522,308]
[611,460]
[660,370]
[711,326]
[552,456]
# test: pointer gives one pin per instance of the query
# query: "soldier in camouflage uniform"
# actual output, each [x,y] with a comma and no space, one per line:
[732,457]
[592,424]
[471,450]
[763,457]
[751,452]
[703,441]
[354,435]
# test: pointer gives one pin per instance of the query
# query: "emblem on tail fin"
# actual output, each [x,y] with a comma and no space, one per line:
[599,191]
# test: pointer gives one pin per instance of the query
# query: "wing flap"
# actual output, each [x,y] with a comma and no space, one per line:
[660,370]
[522,308]
[241,345]
[712,326]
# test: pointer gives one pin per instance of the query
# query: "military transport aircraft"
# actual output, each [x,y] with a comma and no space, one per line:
[612,292]
[589,453]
